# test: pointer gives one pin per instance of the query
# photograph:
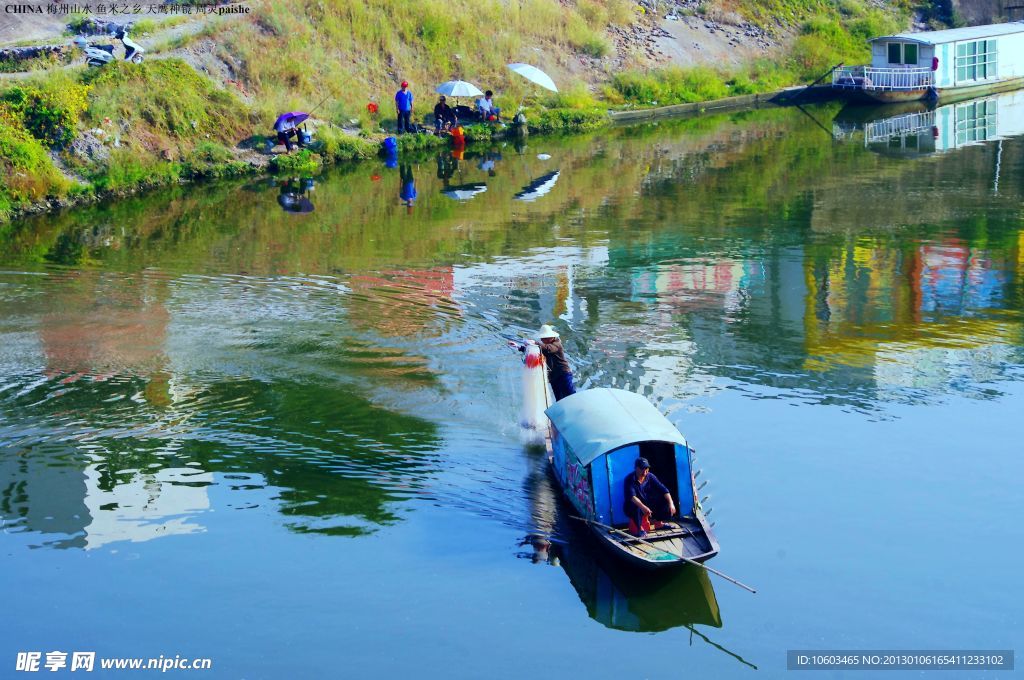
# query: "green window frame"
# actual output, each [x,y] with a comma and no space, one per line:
[895,53]
[910,53]
[976,60]
[902,53]
[975,121]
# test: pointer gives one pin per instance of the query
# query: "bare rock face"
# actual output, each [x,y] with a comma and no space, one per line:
[89,146]
[976,12]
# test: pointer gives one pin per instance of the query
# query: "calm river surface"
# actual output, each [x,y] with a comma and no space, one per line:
[277,426]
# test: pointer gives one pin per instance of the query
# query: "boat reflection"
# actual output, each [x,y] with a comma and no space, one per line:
[918,129]
[614,595]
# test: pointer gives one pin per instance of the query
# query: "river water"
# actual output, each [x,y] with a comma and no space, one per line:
[276,424]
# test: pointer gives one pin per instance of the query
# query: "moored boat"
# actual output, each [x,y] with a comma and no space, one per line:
[597,434]
[953,63]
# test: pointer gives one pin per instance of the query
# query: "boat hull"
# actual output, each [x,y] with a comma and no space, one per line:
[887,96]
[945,95]
[661,551]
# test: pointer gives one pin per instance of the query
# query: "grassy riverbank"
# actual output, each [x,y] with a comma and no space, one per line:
[202,104]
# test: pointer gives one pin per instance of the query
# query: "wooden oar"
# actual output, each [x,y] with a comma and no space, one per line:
[695,563]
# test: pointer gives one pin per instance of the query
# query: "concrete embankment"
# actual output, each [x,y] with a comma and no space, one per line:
[784,97]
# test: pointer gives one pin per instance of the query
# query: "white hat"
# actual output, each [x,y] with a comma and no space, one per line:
[546,331]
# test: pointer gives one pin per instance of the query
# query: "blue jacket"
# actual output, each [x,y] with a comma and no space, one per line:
[403,100]
[651,489]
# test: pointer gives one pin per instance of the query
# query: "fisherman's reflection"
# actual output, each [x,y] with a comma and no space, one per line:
[447,164]
[544,516]
[294,195]
[408,191]
[487,161]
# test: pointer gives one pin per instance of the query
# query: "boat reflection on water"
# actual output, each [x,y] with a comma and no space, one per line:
[917,128]
[614,595]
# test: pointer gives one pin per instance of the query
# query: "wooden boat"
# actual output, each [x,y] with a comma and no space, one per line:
[596,436]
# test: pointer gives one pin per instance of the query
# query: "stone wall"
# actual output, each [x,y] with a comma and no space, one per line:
[16,54]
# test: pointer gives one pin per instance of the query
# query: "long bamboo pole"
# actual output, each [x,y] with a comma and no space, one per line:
[728,578]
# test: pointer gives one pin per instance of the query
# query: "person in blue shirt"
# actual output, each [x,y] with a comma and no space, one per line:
[403,106]
[645,499]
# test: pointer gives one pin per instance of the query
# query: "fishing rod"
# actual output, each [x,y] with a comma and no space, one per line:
[728,578]
[321,102]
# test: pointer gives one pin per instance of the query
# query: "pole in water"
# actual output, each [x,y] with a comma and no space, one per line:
[728,578]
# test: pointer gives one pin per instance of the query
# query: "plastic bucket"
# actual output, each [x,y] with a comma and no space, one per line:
[390,145]
[305,136]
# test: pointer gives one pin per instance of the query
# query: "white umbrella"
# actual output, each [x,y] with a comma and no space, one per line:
[464,192]
[534,75]
[458,88]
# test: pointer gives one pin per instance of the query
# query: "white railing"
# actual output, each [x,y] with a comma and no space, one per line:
[871,78]
[898,126]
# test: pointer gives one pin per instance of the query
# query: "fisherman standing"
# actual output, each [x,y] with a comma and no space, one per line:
[559,372]
[403,108]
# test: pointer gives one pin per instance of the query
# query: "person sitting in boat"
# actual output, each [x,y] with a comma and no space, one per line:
[646,500]
[559,372]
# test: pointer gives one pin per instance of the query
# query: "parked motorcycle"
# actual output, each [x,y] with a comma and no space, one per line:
[101,55]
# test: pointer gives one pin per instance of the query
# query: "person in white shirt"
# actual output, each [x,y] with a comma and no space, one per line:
[485,106]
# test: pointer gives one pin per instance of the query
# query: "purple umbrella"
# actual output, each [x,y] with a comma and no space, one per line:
[295,117]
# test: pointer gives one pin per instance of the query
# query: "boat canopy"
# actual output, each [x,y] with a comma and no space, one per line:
[596,421]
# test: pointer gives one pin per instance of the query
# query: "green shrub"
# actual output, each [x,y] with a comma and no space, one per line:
[76,22]
[574,97]
[421,141]
[671,86]
[49,112]
[143,27]
[211,153]
[336,145]
[210,159]
[305,162]
[482,132]
[167,97]
[586,40]
[27,170]
[569,120]
[127,169]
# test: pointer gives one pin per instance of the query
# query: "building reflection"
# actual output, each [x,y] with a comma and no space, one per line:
[917,129]
[857,317]
[925,315]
